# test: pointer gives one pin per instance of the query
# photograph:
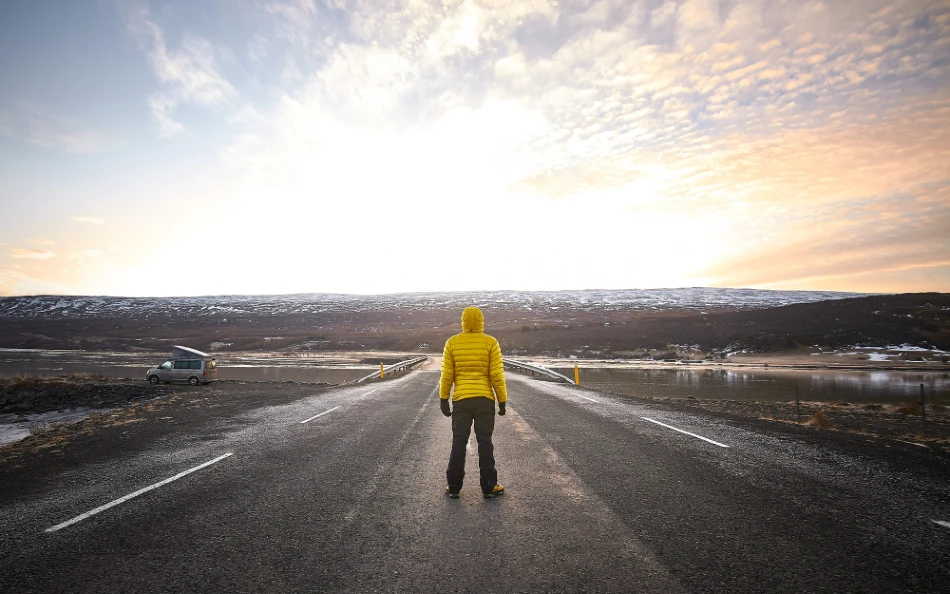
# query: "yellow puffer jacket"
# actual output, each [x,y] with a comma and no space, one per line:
[472,361]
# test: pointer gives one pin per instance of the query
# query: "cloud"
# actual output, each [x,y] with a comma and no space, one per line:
[13,281]
[749,127]
[188,74]
[162,107]
[42,241]
[257,48]
[87,256]
[461,31]
[90,220]
[31,254]
[45,128]
[847,238]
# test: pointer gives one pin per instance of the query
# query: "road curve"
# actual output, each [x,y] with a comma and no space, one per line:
[341,491]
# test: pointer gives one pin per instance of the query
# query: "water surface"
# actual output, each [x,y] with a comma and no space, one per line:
[768,385]
[244,367]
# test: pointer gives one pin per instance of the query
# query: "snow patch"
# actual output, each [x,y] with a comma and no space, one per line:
[14,428]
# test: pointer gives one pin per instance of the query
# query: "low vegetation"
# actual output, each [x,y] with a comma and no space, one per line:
[819,420]
[30,394]
[919,319]
[20,381]
[910,408]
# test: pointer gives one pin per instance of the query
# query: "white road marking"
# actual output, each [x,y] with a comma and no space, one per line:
[586,398]
[722,445]
[942,523]
[319,415]
[102,508]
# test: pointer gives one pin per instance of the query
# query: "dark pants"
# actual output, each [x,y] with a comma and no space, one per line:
[481,411]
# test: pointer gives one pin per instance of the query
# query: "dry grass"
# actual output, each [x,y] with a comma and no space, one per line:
[874,406]
[21,381]
[25,381]
[819,420]
[40,428]
[86,377]
[911,408]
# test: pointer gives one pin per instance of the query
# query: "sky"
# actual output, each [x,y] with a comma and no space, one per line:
[217,147]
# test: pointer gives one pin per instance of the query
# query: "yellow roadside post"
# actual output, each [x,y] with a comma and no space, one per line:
[577,375]
[382,374]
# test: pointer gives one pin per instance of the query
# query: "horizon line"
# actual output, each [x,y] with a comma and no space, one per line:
[454,292]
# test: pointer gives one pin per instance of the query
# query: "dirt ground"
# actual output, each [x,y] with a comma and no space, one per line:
[176,410]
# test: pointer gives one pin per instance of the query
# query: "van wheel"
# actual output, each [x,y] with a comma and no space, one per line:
[153,379]
[193,381]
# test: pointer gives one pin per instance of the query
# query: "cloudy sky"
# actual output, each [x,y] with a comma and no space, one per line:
[275,146]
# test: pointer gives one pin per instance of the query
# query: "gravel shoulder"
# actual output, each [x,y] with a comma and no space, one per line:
[199,413]
[885,422]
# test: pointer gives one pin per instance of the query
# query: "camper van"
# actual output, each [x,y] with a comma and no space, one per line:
[185,365]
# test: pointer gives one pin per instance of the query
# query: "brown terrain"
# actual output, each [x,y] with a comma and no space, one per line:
[786,336]
[590,332]
[126,407]
[900,421]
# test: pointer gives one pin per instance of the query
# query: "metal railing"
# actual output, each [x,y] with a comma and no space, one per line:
[395,368]
[523,367]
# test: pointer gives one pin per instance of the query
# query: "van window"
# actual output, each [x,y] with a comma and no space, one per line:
[165,365]
[181,364]
[195,364]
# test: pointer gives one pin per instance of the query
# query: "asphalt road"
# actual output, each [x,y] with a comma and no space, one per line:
[599,499]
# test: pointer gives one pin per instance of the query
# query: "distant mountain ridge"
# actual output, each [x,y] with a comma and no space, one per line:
[634,300]
[595,323]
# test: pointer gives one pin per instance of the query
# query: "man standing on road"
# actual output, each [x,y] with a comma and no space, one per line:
[472,361]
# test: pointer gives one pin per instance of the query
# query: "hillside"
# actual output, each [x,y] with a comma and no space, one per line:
[585,323]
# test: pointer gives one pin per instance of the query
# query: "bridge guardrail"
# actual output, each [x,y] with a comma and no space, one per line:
[535,369]
[395,367]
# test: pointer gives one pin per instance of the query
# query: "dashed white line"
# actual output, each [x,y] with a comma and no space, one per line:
[722,445]
[319,415]
[586,398]
[103,508]
[942,523]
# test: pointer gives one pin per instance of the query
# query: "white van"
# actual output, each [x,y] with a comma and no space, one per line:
[185,365]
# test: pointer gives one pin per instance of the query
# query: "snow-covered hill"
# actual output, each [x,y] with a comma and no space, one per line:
[216,307]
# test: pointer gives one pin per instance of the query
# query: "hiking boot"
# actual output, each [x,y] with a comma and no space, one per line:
[495,492]
[452,494]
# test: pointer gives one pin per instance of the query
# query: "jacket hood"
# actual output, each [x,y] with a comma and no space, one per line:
[473,320]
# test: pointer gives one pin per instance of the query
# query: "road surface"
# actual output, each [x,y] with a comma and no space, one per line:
[341,490]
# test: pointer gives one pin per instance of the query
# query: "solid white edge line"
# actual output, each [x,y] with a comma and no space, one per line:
[722,445]
[586,398]
[319,415]
[942,523]
[102,508]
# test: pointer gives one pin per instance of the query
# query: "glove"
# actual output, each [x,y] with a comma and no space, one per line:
[501,408]
[444,405]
